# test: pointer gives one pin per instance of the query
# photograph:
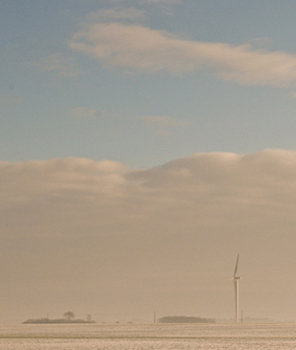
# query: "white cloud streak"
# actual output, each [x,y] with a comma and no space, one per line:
[138,48]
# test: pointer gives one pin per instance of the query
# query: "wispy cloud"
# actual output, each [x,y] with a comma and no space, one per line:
[162,121]
[161,124]
[124,2]
[142,49]
[63,65]
[167,2]
[117,14]
[84,112]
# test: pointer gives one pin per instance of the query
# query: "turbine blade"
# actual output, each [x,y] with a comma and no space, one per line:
[236,266]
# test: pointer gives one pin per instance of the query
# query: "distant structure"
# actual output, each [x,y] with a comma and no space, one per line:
[236,291]
[68,318]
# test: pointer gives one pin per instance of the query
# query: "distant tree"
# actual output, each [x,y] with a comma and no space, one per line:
[88,318]
[69,315]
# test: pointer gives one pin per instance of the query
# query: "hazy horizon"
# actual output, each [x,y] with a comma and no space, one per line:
[100,238]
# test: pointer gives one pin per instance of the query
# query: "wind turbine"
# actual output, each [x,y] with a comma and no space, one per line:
[236,291]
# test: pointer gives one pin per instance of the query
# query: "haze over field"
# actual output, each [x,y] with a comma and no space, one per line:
[121,243]
[143,145]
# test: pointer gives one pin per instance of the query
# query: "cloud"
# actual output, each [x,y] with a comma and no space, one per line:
[142,49]
[117,14]
[56,178]
[161,123]
[214,185]
[75,231]
[65,66]
[84,112]
[168,2]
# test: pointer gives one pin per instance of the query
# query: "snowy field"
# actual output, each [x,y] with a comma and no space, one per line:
[148,337]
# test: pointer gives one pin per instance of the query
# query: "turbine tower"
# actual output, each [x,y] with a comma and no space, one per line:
[236,291]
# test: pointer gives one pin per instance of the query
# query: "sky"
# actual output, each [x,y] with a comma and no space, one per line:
[143,145]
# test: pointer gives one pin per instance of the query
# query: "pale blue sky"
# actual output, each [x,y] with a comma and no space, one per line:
[58,101]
